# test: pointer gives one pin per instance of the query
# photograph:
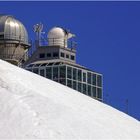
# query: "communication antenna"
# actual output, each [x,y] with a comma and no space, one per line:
[38,30]
[126,102]
[69,35]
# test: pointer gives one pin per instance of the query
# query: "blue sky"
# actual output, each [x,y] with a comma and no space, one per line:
[108,38]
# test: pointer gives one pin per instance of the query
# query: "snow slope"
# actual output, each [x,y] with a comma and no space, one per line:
[33,107]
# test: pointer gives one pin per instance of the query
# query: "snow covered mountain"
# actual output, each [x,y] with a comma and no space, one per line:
[33,107]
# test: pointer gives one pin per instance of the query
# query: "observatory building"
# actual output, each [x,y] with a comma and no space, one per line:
[57,61]
[13,40]
[54,59]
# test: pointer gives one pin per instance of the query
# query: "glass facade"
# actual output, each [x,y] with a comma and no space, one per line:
[79,75]
[82,80]
[42,72]
[55,74]
[49,72]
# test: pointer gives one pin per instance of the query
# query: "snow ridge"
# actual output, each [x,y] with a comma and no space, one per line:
[33,107]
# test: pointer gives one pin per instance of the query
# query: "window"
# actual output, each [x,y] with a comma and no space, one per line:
[74,85]
[67,56]
[84,77]
[55,73]
[99,80]
[49,55]
[29,69]
[42,72]
[63,72]
[94,79]
[69,83]
[42,55]
[44,64]
[84,88]
[72,57]
[55,54]
[89,78]
[1,36]
[50,64]
[89,90]
[57,63]
[63,81]
[62,54]
[69,72]
[99,93]
[94,91]
[35,70]
[49,72]
[74,74]
[79,87]
[79,75]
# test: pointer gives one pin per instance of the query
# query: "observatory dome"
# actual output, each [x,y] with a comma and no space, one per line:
[58,36]
[56,33]
[12,30]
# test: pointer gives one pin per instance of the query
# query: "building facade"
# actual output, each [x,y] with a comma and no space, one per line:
[57,61]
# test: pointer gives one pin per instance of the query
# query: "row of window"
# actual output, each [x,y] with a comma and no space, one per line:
[79,86]
[70,73]
[56,54]
[78,79]
[87,77]
[43,55]
[72,57]
[85,88]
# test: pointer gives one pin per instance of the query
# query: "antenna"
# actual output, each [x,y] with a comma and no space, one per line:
[38,30]
[126,101]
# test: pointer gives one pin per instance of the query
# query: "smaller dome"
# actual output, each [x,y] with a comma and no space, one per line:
[56,33]
[58,36]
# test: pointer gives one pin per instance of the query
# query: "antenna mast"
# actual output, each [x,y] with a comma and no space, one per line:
[38,30]
[126,106]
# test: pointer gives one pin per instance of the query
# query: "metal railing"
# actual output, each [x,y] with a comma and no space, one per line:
[56,41]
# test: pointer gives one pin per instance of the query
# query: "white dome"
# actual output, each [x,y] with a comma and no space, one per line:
[58,36]
[56,33]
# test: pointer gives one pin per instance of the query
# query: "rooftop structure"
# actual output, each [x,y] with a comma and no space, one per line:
[57,61]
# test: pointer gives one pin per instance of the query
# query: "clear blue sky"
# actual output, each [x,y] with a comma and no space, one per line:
[108,37]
